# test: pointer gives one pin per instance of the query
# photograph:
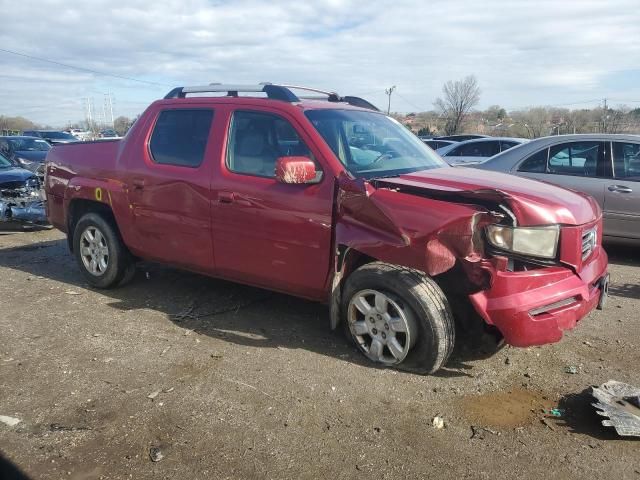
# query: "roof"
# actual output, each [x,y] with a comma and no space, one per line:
[586,136]
[267,93]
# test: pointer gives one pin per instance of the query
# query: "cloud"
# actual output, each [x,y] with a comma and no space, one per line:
[522,52]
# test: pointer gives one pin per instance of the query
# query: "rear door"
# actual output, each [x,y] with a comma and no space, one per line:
[265,232]
[168,185]
[580,166]
[622,192]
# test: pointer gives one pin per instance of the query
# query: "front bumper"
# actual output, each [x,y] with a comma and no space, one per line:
[535,307]
[33,212]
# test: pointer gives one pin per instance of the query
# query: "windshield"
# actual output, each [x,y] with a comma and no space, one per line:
[58,135]
[28,145]
[4,162]
[372,145]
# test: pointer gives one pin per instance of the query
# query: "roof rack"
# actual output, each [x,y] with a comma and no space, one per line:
[274,92]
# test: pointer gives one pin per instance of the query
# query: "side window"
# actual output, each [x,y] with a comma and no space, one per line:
[537,163]
[256,140]
[506,145]
[454,152]
[479,149]
[575,158]
[626,160]
[180,137]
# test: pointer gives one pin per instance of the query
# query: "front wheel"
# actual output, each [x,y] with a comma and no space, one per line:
[398,317]
[102,257]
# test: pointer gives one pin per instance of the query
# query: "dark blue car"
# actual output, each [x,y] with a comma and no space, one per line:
[26,152]
[21,197]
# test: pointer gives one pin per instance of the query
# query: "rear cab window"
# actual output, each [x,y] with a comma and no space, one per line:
[180,137]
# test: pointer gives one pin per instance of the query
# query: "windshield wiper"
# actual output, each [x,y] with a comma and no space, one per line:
[391,175]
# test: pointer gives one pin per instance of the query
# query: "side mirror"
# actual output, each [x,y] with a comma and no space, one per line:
[296,170]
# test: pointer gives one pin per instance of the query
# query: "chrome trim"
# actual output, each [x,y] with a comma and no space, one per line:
[553,306]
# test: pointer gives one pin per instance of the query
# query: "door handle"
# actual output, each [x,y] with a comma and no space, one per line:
[620,189]
[138,183]
[226,197]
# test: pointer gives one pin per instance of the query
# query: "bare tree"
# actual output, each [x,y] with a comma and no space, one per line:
[536,121]
[459,98]
[122,124]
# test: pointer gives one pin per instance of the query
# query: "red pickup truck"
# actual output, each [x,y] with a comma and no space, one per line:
[331,200]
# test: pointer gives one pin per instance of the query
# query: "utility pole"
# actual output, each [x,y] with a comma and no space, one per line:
[389,91]
[113,124]
[604,118]
[88,113]
[104,110]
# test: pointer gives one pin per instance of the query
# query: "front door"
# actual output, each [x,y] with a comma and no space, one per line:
[265,232]
[168,184]
[622,192]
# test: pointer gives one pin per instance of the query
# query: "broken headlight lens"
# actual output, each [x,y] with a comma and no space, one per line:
[533,241]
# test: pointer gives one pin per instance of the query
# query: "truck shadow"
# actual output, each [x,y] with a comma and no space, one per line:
[622,254]
[235,313]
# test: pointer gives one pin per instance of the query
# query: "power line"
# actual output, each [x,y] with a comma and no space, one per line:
[577,103]
[418,109]
[82,69]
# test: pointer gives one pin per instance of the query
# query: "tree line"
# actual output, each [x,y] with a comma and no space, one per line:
[454,112]
[15,125]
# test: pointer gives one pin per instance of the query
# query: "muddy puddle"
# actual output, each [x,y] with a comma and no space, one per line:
[516,407]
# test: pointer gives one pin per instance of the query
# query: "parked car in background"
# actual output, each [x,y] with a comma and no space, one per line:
[26,152]
[333,202]
[477,150]
[51,136]
[436,144]
[83,135]
[21,196]
[607,167]
[462,137]
[108,133]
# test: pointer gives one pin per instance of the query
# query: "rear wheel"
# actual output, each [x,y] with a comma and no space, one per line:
[102,257]
[398,317]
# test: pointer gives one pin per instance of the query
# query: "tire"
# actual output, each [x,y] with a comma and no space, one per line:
[414,302]
[113,263]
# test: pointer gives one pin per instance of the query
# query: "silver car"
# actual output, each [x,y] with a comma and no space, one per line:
[606,167]
[477,150]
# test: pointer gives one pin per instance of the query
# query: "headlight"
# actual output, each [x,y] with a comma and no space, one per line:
[534,241]
[24,162]
[32,183]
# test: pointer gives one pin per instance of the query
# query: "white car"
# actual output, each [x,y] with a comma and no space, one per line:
[477,150]
[83,135]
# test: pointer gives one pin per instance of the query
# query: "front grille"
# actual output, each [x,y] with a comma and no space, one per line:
[589,239]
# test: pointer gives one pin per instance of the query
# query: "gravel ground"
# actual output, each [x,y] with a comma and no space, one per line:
[181,376]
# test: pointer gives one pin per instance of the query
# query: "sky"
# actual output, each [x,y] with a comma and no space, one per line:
[569,53]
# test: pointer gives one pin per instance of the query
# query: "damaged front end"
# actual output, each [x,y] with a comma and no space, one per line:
[22,201]
[513,253]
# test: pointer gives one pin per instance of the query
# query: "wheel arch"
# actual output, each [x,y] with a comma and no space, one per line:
[81,206]
[347,260]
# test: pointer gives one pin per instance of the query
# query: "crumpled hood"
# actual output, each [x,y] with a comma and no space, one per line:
[14,174]
[532,202]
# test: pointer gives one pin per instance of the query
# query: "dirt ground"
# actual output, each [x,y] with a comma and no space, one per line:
[218,380]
